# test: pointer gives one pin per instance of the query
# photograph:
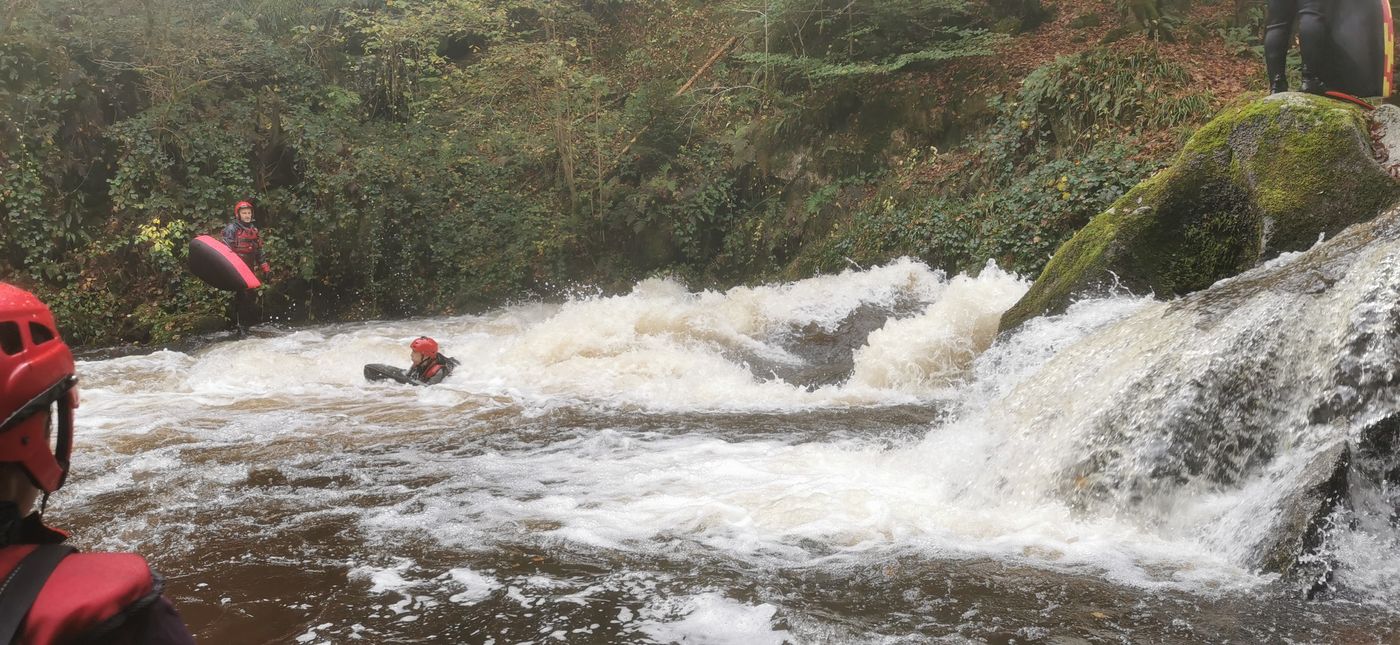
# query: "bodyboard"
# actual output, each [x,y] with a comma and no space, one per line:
[213,262]
[1361,48]
[382,372]
[1342,96]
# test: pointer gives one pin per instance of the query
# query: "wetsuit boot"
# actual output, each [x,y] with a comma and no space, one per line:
[1312,84]
[1278,84]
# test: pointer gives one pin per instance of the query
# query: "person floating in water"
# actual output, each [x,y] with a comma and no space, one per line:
[52,593]
[244,239]
[1312,42]
[429,365]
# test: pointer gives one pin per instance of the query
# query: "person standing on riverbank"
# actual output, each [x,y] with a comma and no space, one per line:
[51,593]
[244,239]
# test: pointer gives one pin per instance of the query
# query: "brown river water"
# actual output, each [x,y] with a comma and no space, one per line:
[670,467]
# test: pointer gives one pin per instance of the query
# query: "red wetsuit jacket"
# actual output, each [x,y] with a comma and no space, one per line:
[93,597]
[432,371]
[246,241]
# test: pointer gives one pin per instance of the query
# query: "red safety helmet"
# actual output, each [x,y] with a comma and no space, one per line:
[424,345]
[239,206]
[36,371]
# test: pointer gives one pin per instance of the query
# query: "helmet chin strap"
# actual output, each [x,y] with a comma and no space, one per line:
[10,522]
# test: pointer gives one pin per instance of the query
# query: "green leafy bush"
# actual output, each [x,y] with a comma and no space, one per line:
[1072,103]
[412,157]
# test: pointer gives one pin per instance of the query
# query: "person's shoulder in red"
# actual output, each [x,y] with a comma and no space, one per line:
[53,594]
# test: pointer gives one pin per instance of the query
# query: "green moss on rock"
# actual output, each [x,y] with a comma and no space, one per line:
[1260,179]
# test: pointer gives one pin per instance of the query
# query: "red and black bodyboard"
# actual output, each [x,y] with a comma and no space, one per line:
[1343,96]
[213,262]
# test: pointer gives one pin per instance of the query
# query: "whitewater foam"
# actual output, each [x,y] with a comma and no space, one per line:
[603,425]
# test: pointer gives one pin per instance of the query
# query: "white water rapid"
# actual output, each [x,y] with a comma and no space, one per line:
[836,460]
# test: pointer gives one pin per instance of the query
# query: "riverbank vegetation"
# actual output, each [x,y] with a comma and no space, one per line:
[413,157]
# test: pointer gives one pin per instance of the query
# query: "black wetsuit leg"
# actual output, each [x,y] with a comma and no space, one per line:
[1276,37]
[245,303]
[1312,35]
[245,308]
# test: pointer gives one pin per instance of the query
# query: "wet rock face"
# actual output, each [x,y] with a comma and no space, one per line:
[1261,179]
[1277,390]
[826,356]
[1385,135]
[1352,484]
[1303,520]
[1378,454]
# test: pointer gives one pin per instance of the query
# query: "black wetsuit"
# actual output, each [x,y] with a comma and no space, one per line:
[1312,41]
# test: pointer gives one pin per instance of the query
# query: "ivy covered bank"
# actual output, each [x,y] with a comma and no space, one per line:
[415,157]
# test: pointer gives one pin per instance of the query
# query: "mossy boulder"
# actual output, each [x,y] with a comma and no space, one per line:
[1260,179]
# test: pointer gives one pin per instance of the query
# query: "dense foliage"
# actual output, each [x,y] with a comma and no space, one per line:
[427,156]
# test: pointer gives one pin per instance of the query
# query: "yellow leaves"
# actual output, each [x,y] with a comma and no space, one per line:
[161,236]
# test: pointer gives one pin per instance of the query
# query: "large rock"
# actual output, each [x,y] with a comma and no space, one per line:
[1359,476]
[1262,178]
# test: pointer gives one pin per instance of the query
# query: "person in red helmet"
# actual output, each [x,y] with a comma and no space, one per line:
[430,366]
[244,239]
[51,593]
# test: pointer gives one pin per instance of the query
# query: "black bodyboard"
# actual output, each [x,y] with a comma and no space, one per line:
[382,372]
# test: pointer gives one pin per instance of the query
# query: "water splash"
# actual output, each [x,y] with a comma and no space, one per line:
[1152,446]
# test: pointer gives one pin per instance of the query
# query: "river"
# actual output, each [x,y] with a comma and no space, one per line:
[836,460]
